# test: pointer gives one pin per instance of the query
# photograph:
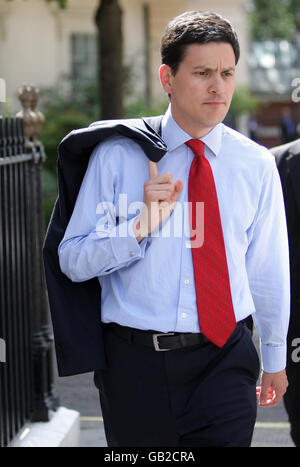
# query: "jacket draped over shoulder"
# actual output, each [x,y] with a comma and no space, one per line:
[76,307]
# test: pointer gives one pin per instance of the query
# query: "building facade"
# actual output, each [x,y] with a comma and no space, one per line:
[43,44]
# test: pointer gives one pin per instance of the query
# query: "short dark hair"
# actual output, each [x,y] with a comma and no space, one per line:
[195,27]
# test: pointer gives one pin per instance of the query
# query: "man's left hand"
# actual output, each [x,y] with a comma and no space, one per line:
[272,387]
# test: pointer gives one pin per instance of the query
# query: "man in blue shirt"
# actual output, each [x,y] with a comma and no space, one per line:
[166,384]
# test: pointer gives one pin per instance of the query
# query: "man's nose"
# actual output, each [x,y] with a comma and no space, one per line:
[216,85]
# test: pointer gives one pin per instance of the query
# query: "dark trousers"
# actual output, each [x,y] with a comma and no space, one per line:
[196,396]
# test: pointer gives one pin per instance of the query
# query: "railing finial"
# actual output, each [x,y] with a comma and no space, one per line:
[33,118]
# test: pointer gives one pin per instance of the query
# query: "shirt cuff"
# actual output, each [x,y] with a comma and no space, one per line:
[273,357]
[129,250]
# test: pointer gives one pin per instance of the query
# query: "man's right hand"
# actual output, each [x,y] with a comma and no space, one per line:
[160,196]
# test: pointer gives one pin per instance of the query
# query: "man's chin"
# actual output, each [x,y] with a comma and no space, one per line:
[211,123]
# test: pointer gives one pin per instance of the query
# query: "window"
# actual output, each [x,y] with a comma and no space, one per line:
[83,57]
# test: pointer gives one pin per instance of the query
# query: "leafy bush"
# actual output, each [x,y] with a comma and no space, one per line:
[71,107]
[56,127]
[139,108]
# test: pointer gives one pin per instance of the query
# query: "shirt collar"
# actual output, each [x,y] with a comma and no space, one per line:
[174,136]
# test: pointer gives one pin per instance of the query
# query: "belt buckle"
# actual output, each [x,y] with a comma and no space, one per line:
[156,343]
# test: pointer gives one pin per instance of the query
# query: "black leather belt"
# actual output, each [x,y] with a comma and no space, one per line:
[160,342]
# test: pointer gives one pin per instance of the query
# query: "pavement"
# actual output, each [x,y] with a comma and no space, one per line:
[79,393]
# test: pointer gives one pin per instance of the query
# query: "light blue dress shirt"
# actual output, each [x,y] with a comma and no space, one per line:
[151,285]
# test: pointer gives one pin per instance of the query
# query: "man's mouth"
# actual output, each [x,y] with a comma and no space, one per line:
[214,103]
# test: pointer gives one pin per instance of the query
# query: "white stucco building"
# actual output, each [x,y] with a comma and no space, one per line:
[39,43]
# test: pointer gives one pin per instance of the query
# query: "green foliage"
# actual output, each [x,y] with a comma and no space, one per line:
[273,19]
[139,108]
[65,111]
[58,125]
[61,3]
[243,101]
[70,95]
[49,186]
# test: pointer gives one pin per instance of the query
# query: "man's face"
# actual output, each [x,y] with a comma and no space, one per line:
[202,89]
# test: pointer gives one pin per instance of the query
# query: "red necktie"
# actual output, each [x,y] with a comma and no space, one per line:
[214,302]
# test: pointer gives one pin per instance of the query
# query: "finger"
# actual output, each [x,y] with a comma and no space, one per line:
[275,400]
[278,393]
[153,170]
[265,394]
[178,187]
[267,397]
[162,186]
[271,401]
[158,195]
[154,176]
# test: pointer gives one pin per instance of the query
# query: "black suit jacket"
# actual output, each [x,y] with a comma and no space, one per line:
[75,307]
[288,163]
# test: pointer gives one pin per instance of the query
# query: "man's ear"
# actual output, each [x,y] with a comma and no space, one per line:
[165,75]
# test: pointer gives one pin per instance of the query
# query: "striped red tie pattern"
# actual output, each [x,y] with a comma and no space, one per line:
[214,302]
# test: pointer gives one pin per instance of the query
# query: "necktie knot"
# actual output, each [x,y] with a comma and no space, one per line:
[197,146]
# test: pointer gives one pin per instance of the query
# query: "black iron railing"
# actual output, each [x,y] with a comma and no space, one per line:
[26,344]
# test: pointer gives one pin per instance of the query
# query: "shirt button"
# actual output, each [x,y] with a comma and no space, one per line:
[183,315]
[131,253]
[186,281]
